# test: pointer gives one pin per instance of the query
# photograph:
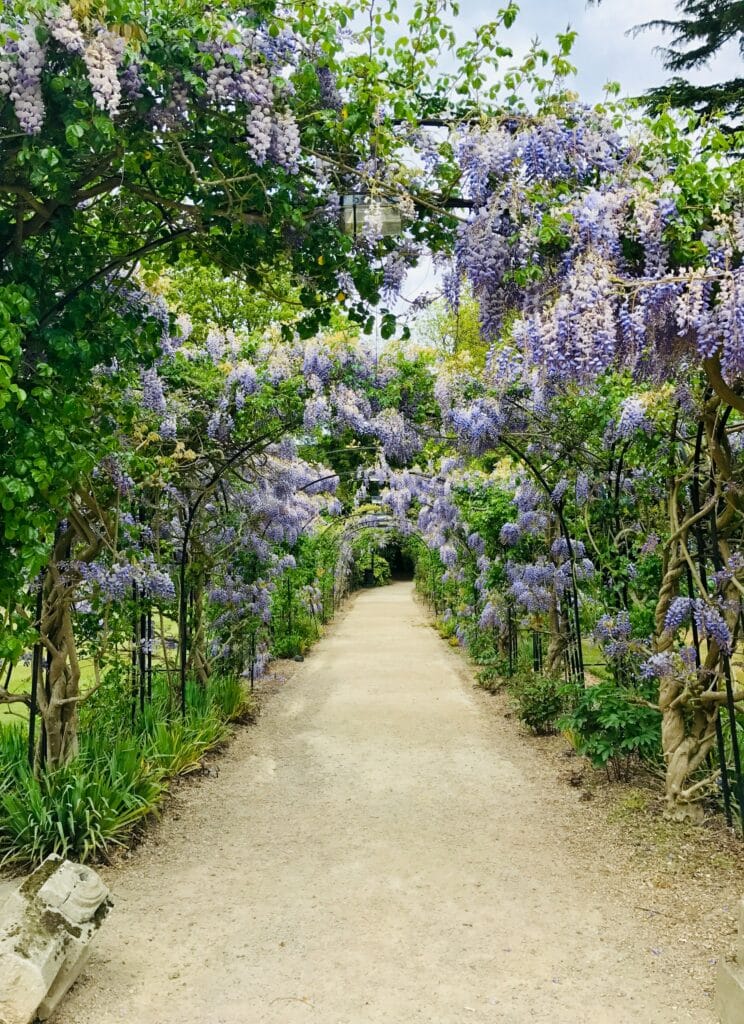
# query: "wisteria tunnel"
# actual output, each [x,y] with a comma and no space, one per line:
[371,497]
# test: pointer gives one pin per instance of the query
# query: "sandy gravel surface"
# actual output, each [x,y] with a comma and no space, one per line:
[382,847]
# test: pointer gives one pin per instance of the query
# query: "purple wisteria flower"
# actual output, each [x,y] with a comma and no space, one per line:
[510,534]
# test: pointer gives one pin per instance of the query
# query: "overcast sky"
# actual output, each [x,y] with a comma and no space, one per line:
[603,51]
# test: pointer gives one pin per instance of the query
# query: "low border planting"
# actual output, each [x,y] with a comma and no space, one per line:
[100,800]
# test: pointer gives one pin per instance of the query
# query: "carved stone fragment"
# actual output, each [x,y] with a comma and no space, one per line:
[46,928]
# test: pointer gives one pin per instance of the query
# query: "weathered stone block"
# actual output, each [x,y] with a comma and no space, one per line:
[730,981]
[46,927]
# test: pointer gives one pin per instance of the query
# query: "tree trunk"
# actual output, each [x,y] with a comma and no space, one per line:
[59,696]
[688,709]
[556,642]
[198,662]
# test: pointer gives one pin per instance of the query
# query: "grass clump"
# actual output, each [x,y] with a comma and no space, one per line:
[79,811]
[97,801]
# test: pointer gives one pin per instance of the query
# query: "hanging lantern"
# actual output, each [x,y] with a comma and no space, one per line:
[360,212]
[375,482]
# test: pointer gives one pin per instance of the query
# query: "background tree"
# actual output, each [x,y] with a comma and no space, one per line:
[697,36]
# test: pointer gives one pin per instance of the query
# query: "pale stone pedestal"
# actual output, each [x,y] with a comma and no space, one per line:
[730,981]
[46,927]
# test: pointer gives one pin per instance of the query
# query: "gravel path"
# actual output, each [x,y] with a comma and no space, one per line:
[381,847]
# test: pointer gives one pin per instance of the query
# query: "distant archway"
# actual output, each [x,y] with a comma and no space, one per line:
[400,561]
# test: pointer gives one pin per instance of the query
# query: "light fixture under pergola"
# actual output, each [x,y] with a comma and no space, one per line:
[360,211]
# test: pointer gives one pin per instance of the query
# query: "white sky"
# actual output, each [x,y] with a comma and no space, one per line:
[603,51]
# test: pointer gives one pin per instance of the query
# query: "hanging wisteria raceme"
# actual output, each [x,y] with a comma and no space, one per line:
[709,620]
[246,65]
[589,270]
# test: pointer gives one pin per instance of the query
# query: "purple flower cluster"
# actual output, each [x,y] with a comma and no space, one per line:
[114,581]
[633,419]
[733,568]
[582,489]
[311,599]
[21,64]
[532,586]
[399,440]
[111,467]
[678,614]
[153,395]
[558,492]
[510,534]
[709,620]
[613,633]
[478,424]
[712,625]
[490,617]
[243,382]
[24,57]
[650,544]
[102,55]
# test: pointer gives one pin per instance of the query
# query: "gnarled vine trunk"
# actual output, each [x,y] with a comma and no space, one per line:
[556,641]
[198,663]
[690,706]
[59,693]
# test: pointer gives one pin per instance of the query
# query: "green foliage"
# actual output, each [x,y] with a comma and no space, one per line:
[289,645]
[177,747]
[110,705]
[447,627]
[454,333]
[212,299]
[79,811]
[482,644]
[303,599]
[697,35]
[539,702]
[231,700]
[95,802]
[611,725]
[492,677]
[371,569]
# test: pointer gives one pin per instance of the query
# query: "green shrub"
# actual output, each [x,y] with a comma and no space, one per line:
[120,775]
[482,644]
[79,811]
[232,700]
[611,727]
[289,645]
[109,707]
[446,627]
[539,702]
[492,677]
